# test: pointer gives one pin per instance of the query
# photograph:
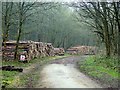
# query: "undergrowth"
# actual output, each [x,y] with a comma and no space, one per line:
[103,69]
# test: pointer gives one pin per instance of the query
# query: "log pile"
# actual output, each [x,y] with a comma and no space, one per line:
[49,49]
[59,51]
[29,49]
[83,50]
[11,68]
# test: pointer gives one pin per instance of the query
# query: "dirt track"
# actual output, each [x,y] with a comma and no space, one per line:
[63,73]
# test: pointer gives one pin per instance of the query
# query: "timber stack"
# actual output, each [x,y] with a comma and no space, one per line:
[28,49]
[82,50]
[59,51]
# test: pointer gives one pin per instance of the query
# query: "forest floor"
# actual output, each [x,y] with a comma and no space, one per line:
[29,76]
[63,73]
[53,72]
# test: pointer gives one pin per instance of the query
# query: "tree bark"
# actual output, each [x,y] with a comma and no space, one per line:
[19,29]
[117,10]
[106,30]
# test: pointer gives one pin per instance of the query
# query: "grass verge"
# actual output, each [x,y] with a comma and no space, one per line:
[13,79]
[102,69]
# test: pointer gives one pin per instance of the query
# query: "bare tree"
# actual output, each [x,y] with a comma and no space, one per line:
[6,16]
[23,8]
[101,16]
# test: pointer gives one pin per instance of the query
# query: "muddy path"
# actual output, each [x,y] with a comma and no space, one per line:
[63,73]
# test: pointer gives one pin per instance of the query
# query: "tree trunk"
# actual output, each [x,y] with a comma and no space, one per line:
[18,39]
[19,30]
[107,42]
[106,30]
[116,8]
[7,17]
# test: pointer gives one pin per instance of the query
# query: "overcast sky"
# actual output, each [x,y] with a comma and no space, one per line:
[58,0]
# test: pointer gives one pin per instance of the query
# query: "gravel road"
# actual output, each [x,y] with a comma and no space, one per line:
[63,73]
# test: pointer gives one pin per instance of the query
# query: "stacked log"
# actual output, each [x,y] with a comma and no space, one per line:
[83,50]
[8,50]
[49,49]
[11,68]
[72,50]
[59,51]
[29,49]
[42,49]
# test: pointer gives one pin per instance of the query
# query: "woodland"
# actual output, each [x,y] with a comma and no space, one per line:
[65,25]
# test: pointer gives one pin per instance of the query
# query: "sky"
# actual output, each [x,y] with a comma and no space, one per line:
[57,0]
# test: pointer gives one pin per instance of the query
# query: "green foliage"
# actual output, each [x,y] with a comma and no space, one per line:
[111,62]
[102,64]
[14,63]
[8,77]
[101,68]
